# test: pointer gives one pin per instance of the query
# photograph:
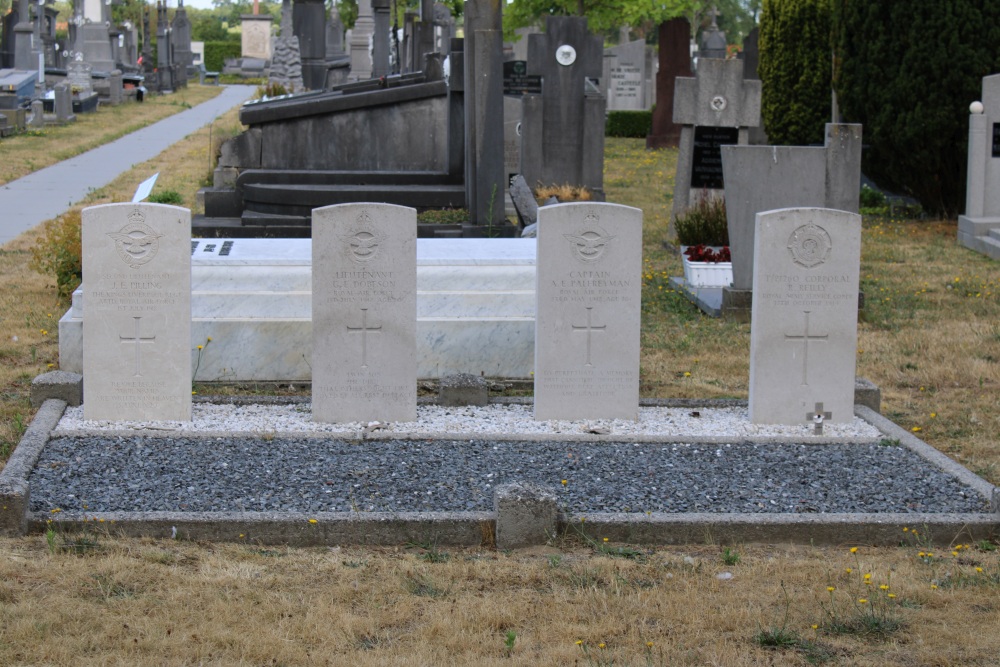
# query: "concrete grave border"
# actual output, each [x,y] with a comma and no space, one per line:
[511,506]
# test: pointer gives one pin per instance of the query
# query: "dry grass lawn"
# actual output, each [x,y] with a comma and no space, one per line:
[930,337]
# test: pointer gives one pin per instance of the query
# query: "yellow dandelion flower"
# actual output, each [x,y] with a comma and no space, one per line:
[868,576]
[848,570]
[862,601]
[884,587]
[649,644]
[933,415]
[854,550]
[815,626]
[602,645]
[313,521]
[954,553]
[891,596]
[201,347]
[916,429]
[979,569]
[579,642]
[564,482]
[605,539]
[687,374]
[831,588]
[905,529]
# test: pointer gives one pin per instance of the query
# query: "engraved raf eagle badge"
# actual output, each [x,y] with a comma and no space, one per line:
[591,242]
[136,243]
[363,240]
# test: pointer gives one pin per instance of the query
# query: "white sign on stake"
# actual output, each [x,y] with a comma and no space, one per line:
[144,188]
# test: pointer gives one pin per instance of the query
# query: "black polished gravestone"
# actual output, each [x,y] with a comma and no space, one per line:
[517,81]
[563,127]
[706,160]
[996,140]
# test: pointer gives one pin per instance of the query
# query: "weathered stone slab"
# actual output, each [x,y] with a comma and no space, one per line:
[625,76]
[137,327]
[364,313]
[587,313]
[803,339]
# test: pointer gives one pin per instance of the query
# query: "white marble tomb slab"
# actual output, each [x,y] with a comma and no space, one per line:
[589,278]
[475,309]
[804,318]
[137,328]
[364,313]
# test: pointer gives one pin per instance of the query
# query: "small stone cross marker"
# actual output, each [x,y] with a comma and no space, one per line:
[817,417]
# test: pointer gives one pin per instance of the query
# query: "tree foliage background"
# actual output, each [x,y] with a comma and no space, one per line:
[908,71]
[795,70]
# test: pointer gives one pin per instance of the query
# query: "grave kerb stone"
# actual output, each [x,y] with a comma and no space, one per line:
[588,312]
[137,356]
[803,337]
[364,313]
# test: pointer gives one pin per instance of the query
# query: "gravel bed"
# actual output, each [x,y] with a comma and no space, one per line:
[92,474]
[488,420]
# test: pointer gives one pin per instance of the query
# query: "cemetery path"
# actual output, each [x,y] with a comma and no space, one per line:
[46,193]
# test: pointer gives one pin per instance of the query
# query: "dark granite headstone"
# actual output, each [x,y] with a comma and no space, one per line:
[675,61]
[484,170]
[563,128]
[996,140]
[309,25]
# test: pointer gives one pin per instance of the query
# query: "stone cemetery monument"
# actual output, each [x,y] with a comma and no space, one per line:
[713,41]
[563,140]
[804,332]
[716,108]
[137,325]
[256,36]
[309,26]
[588,279]
[286,61]
[364,313]
[979,228]
[361,42]
[484,108]
[751,60]
[762,178]
[625,77]
[180,42]
[675,61]
[93,36]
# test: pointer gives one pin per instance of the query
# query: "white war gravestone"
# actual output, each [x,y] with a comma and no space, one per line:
[137,321]
[588,283]
[364,313]
[804,324]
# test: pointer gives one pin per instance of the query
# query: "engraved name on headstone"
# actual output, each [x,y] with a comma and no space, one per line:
[804,332]
[137,322]
[364,313]
[587,314]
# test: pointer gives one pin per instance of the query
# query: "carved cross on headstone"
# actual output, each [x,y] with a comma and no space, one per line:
[805,338]
[589,328]
[364,329]
[817,417]
[138,340]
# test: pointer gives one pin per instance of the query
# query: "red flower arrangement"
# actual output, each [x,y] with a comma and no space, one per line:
[704,253]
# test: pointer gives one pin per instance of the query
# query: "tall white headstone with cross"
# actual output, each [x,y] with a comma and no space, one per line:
[588,278]
[137,323]
[804,324]
[364,313]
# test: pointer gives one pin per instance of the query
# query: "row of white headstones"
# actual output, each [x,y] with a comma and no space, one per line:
[589,277]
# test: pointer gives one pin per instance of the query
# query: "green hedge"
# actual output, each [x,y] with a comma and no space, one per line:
[217,52]
[635,124]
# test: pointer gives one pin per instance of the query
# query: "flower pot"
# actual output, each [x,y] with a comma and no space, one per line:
[706,274]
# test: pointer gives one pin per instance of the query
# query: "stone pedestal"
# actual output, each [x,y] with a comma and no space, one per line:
[256,36]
